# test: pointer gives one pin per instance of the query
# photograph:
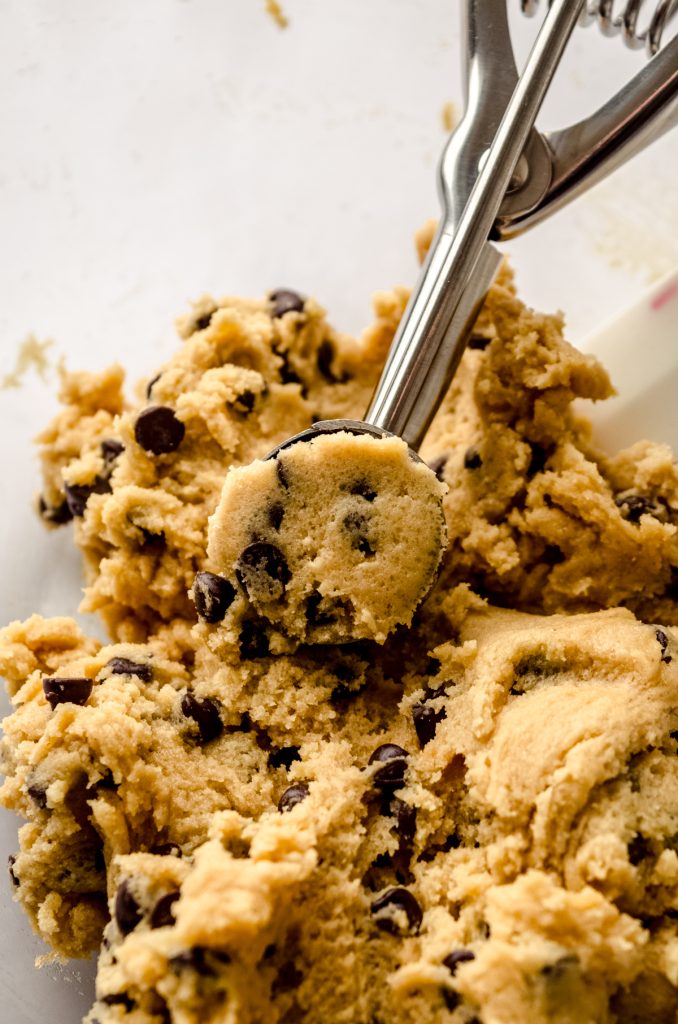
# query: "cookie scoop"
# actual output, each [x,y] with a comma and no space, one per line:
[335,536]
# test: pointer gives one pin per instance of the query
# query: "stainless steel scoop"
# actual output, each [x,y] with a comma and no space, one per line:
[498,176]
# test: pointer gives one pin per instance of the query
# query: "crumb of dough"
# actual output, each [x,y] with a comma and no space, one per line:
[449,116]
[30,354]
[274,9]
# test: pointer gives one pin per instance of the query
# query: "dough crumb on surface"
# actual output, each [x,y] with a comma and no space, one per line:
[468,815]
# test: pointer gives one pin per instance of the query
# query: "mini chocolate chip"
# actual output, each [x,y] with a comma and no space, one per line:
[355,525]
[362,489]
[479,341]
[437,466]
[125,667]
[638,850]
[288,375]
[451,999]
[394,760]
[202,322]
[119,999]
[127,910]
[433,666]
[77,495]
[111,450]
[205,713]
[633,506]
[425,720]
[283,757]
[55,514]
[270,951]
[324,360]
[149,386]
[663,641]
[11,861]
[162,915]
[292,796]
[285,301]
[60,690]
[392,901]
[166,850]
[244,403]
[158,431]
[456,957]
[213,596]
[253,640]
[406,817]
[472,459]
[262,558]
[274,514]
[38,794]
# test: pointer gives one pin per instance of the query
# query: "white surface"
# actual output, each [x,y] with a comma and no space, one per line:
[155,150]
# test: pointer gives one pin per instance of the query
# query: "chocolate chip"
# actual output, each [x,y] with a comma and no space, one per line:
[55,514]
[663,641]
[633,506]
[456,957]
[166,850]
[324,360]
[111,450]
[60,690]
[283,757]
[213,596]
[406,818]
[162,915]
[263,560]
[244,403]
[38,794]
[274,514]
[125,667]
[386,906]
[292,796]
[362,489]
[158,431]
[552,555]
[149,386]
[285,301]
[425,720]
[253,640]
[638,850]
[479,341]
[11,861]
[127,910]
[77,495]
[205,713]
[472,459]
[355,525]
[394,759]
[289,375]
[202,322]
[437,465]
[119,999]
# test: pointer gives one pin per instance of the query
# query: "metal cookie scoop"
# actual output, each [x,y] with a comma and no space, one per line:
[497,176]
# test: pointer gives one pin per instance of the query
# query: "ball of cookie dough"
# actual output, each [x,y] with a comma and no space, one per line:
[336,538]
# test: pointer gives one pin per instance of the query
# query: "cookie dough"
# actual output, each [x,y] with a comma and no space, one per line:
[335,538]
[471,821]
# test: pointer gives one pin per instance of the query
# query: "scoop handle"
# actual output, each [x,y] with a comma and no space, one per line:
[461,262]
